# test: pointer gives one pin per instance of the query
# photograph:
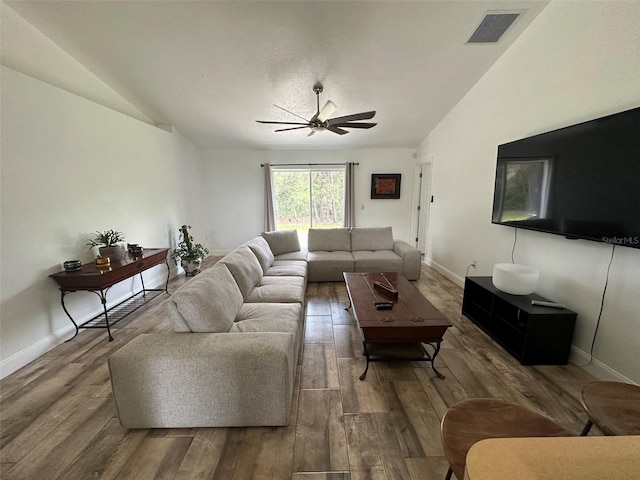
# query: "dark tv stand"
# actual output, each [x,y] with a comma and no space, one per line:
[534,335]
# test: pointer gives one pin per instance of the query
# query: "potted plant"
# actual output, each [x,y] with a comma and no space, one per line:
[189,254]
[107,243]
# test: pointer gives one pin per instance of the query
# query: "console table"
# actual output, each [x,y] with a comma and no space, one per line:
[534,335]
[99,279]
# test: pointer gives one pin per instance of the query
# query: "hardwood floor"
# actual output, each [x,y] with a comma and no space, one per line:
[58,419]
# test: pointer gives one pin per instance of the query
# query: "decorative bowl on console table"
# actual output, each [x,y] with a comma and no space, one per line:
[515,279]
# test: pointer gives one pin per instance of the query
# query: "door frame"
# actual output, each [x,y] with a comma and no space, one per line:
[423,172]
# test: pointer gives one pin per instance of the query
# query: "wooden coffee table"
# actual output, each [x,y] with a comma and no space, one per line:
[400,333]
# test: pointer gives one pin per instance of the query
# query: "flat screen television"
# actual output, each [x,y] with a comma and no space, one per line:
[581,181]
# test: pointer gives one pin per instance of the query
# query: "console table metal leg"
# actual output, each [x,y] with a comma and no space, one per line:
[144,290]
[103,300]
[63,293]
[166,285]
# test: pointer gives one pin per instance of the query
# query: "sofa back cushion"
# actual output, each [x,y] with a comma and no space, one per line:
[208,303]
[262,251]
[245,268]
[371,238]
[329,239]
[282,241]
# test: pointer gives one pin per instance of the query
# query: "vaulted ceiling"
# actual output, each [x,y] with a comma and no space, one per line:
[212,68]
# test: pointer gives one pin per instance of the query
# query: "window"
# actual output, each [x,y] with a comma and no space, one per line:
[308,197]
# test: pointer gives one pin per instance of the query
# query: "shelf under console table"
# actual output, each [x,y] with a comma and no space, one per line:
[99,279]
[534,335]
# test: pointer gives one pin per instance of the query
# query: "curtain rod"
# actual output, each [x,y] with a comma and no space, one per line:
[307,164]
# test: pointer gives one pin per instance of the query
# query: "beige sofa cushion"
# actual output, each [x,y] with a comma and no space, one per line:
[262,251]
[371,239]
[245,268]
[271,317]
[283,280]
[282,241]
[196,306]
[276,293]
[300,256]
[288,269]
[378,261]
[329,239]
[328,266]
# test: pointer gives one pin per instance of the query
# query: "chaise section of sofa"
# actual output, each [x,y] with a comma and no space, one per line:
[204,380]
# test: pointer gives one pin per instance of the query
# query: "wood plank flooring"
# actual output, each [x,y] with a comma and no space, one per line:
[58,419]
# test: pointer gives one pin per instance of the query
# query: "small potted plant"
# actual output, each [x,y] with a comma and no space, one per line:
[107,242]
[189,254]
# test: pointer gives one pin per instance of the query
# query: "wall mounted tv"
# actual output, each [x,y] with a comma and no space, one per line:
[581,181]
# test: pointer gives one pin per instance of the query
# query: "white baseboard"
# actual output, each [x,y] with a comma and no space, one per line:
[576,356]
[595,367]
[455,278]
[29,354]
[19,359]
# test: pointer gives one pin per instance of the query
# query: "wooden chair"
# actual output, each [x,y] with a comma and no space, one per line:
[470,421]
[613,407]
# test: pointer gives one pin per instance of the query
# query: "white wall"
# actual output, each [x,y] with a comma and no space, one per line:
[234,190]
[70,167]
[26,49]
[76,158]
[577,61]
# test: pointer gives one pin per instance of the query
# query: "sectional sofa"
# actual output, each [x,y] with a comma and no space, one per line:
[238,332]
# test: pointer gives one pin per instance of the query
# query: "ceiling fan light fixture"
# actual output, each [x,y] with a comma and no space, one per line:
[327,110]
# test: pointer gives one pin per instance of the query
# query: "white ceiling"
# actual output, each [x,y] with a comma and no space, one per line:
[212,68]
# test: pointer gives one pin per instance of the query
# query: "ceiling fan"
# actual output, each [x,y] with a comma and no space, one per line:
[321,121]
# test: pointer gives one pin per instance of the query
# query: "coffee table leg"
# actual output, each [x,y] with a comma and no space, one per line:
[366,354]
[436,350]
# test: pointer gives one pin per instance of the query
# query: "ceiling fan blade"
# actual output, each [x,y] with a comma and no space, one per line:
[349,118]
[337,130]
[354,125]
[294,114]
[285,129]
[327,110]
[282,123]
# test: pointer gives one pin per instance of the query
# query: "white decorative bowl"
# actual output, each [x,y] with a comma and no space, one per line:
[515,279]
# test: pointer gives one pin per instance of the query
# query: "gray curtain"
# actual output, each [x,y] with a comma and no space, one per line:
[269,212]
[349,200]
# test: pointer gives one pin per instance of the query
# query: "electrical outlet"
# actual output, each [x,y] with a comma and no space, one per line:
[474,263]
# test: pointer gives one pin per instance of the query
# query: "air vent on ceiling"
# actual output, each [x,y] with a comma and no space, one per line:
[492,27]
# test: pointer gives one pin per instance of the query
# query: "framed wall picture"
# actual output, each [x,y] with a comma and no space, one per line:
[385,185]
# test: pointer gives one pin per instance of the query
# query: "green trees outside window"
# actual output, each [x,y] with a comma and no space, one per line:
[307,198]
